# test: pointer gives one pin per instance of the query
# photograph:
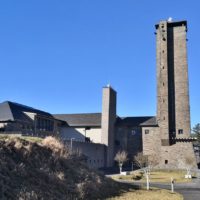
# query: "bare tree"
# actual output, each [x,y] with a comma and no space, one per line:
[153,161]
[196,132]
[189,163]
[141,161]
[121,157]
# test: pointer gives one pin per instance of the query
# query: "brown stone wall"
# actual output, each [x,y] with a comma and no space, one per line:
[173,110]
[151,141]
[181,82]
[173,156]
[176,155]
[162,81]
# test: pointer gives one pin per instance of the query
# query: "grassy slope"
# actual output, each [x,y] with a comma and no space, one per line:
[32,169]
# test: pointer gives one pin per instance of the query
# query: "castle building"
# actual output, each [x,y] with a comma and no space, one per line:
[164,137]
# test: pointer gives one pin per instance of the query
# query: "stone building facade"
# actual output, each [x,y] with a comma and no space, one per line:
[100,136]
[173,145]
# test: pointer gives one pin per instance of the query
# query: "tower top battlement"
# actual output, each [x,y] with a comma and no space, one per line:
[173,23]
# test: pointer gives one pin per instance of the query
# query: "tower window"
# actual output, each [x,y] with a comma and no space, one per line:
[180,131]
[163,84]
[163,101]
[163,118]
[163,67]
[166,162]
[146,131]
[163,51]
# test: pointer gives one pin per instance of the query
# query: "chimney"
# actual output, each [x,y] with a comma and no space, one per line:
[108,122]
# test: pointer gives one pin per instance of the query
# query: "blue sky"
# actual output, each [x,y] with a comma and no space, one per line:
[57,55]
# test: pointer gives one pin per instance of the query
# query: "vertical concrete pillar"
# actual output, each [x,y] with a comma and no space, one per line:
[108,122]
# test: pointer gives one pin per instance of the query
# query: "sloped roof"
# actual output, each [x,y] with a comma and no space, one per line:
[136,121]
[81,120]
[11,111]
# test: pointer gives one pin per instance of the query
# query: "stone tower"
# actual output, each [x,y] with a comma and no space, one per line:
[173,111]
[108,123]
[173,144]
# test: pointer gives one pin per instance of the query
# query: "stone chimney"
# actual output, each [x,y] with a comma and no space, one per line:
[108,122]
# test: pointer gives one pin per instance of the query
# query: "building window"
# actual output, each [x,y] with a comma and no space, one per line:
[180,131]
[133,132]
[163,118]
[166,162]
[146,131]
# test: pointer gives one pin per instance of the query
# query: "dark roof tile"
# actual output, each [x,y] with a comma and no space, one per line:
[11,111]
[81,120]
[136,121]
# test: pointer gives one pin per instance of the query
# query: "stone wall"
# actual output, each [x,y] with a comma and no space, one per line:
[151,140]
[173,156]
[96,153]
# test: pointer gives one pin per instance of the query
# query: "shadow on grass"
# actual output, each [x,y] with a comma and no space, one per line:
[122,188]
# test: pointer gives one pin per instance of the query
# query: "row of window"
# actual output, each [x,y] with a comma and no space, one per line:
[180,131]
[45,124]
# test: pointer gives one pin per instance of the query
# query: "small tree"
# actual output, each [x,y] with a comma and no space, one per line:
[196,131]
[188,162]
[153,160]
[121,157]
[141,161]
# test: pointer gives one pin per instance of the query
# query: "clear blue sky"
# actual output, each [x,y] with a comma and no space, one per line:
[56,55]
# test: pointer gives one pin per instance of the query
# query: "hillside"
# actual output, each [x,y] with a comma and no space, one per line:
[46,170]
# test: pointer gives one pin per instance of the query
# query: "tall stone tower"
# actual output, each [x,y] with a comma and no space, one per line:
[108,122]
[173,111]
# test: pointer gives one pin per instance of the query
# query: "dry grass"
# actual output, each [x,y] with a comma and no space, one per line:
[28,138]
[153,194]
[34,171]
[161,176]
[165,176]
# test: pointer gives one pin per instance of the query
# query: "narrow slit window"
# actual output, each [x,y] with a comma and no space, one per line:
[180,131]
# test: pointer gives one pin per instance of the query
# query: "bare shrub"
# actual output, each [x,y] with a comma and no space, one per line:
[153,161]
[188,163]
[56,146]
[140,160]
[121,157]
